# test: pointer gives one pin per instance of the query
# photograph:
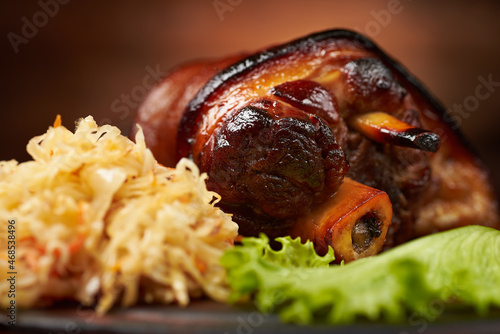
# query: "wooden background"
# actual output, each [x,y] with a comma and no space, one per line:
[86,57]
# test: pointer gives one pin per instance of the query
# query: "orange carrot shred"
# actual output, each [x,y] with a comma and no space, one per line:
[200,265]
[57,122]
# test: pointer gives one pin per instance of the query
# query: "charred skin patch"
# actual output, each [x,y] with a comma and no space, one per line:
[368,85]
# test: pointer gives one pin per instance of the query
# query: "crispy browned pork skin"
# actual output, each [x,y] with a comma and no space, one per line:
[278,133]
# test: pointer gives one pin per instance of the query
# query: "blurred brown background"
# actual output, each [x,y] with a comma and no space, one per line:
[79,58]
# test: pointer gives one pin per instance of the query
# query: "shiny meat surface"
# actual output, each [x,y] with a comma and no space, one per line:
[274,160]
[277,132]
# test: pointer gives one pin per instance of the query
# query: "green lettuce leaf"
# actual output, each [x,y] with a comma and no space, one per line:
[421,277]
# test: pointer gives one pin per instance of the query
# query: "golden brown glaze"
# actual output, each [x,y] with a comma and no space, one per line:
[260,129]
[160,113]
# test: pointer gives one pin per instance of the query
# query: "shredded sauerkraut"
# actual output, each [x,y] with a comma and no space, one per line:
[98,220]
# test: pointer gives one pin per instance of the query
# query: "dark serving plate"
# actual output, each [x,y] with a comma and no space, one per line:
[210,317]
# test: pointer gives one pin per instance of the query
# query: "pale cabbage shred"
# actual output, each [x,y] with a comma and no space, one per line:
[97,217]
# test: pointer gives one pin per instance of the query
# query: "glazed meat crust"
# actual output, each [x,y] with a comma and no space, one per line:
[279,130]
[274,159]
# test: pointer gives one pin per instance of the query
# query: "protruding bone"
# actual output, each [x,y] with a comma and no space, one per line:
[354,222]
